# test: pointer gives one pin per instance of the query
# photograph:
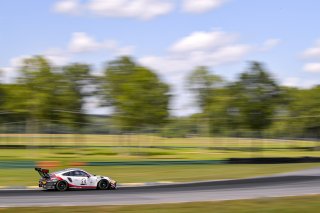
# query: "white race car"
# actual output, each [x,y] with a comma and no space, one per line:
[73,178]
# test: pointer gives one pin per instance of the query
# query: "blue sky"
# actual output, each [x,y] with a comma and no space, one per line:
[169,36]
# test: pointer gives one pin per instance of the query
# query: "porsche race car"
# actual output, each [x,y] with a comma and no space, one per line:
[73,178]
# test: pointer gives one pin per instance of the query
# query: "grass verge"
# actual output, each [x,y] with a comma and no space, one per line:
[66,154]
[71,148]
[266,205]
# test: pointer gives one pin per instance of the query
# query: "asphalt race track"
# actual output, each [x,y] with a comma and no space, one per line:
[295,183]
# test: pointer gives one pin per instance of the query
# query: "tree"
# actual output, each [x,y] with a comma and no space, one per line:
[80,84]
[202,83]
[15,98]
[205,86]
[80,76]
[256,95]
[42,91]
[38,86]
[304,110]
[138,96]
[2,102]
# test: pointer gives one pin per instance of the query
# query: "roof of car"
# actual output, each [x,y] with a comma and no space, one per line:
[68,170]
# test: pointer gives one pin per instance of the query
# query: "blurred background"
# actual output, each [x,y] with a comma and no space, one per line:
[44,123]
[161,91]
[168,91]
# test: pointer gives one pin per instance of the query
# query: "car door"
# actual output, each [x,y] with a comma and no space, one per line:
[79,178]
[69,177]
[87,179]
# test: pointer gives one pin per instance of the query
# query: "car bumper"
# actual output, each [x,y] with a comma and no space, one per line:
[47,185]
[113,184]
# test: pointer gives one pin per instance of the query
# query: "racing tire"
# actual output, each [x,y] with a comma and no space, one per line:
[103,184]
[61,186]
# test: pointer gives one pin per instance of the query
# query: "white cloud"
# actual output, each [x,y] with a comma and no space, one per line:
[202,41]
[270,44]
[199,48]
[127,50]
[57,56]
[140,9]
[6,74]
[312,52]
[312,67]
[210,49]
[10,73]
[298,82]
[201,6]
[173,64]
[68,7]
[82,43]
[291,82]
[18,61]
[230,53]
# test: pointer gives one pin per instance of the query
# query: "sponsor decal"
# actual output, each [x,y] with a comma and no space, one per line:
[84,181]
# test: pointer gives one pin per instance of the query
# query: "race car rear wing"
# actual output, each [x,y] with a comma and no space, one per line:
[43,172]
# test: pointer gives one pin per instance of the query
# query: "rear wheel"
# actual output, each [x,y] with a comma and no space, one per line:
[62,185]
[103,184]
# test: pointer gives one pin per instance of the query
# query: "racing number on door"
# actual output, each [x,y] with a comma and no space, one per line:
[83,181]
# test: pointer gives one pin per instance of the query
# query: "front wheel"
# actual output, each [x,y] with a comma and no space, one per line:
[103,184]
[61,186]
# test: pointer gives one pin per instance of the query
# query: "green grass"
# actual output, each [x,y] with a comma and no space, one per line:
[150,147]
[267,205]
[144,140]
[147,147]
[180,173]
[128,154]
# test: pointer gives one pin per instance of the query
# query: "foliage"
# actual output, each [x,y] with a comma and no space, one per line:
[42,94]
[180,128]
[80,84]
[203,84]
[256,97]
[304,111]
[46,98]
[137,94]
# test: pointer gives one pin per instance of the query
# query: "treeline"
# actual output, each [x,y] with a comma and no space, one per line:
[254,105]
[46,98]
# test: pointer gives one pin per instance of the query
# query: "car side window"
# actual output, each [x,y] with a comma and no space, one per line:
[67,174]
[79,173]
[76,173]
[72,173]
[83,174]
